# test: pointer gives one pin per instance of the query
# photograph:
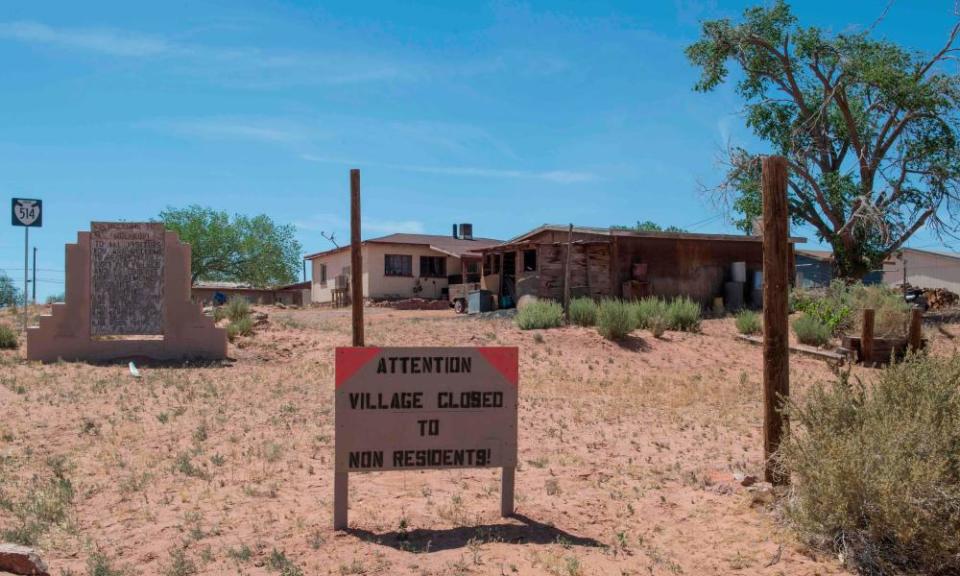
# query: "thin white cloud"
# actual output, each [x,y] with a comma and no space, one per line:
[249,66]
[112,42]
[266,130]
[557,176]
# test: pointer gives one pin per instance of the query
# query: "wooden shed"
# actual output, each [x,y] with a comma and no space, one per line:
[620,263]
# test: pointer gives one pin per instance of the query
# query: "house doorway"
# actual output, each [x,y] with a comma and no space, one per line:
[508,282]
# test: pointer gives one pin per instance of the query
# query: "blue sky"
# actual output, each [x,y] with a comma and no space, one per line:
[507,115]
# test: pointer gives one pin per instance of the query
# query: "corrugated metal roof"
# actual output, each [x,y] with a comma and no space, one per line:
[222,285]
[944,253]
[824,255]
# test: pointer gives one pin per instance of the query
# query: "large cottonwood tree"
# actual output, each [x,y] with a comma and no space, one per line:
[253,250]
[870,129]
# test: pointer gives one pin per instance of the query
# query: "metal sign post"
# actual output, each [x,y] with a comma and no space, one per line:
[26,212]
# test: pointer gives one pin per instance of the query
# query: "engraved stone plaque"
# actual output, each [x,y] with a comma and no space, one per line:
[126,279]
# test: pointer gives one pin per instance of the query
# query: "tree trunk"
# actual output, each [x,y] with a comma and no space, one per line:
[848,261]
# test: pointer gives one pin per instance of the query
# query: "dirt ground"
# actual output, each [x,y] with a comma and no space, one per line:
[630,456]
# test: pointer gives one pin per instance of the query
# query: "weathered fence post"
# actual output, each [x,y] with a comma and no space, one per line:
[776,279]
[915,338]
[866,336]
[566,274]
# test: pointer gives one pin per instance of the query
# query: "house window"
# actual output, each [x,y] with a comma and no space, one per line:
[491,264]
[397,265]
[471,266]
[529,260]
[433,266]
[323,275]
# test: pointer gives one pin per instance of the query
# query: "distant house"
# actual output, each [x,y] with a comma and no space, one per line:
[402,265]
[291,295]
[814,269]
[923,269]
[621,263]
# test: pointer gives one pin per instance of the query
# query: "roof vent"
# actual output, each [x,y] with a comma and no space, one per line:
[466,231]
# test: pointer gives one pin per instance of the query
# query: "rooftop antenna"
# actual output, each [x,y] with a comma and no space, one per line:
[330,238]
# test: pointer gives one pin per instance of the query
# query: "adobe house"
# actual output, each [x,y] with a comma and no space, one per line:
[619,263]
[401,266]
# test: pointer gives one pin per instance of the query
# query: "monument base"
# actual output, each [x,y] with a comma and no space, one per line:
[187,334]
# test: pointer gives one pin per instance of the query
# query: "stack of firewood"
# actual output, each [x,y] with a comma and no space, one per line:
[939,298]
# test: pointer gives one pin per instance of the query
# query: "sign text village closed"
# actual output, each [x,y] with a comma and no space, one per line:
[425,408]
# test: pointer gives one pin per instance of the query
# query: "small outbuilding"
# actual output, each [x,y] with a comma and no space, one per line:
[815,269]
[923,269]
[206,293]
[608,262]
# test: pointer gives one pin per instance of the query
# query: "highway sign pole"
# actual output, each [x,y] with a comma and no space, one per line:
[26,212]
[33,279]
[26,274]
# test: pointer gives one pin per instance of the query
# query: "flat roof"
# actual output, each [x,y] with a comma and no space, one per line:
[943,253]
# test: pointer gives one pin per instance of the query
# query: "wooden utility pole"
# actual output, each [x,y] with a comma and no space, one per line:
[341,481]
[566,274]
[866,336]
[776,278]
[356,258]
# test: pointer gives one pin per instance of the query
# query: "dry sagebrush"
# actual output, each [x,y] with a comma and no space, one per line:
[876,469]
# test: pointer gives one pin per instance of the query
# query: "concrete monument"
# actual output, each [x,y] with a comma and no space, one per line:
[127,296]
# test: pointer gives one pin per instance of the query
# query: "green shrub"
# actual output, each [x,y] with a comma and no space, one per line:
[800,298]
[583,311]
[98,564]
[875,472]
[810,330]
[839,306]
[8,338]
[683,314]
[242,327]
[657,325]
[748,322]
[540,314]
[892,316]
[237,309]
[615,319]
[649,310]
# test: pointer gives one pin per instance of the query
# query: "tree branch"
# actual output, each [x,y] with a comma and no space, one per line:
[912,230]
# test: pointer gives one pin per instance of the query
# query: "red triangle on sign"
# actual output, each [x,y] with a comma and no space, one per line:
[349,360]
[505,359]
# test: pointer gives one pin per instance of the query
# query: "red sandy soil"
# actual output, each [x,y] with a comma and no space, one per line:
[628,459]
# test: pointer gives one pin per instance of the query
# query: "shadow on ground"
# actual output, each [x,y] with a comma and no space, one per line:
[633,343]
[421,540]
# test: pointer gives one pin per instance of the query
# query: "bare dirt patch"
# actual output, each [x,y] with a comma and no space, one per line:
[630,459]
